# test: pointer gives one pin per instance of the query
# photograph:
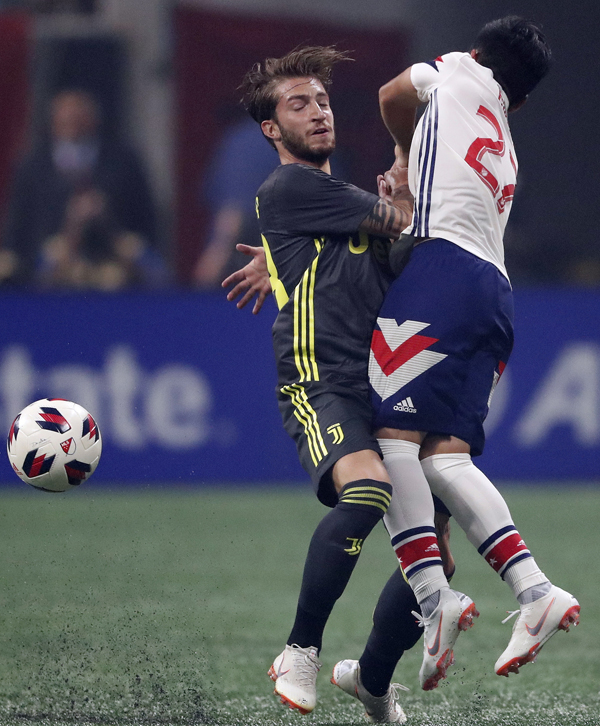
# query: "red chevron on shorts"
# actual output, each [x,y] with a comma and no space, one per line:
[390,360]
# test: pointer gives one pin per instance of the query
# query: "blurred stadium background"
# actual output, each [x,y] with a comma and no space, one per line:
[181,382]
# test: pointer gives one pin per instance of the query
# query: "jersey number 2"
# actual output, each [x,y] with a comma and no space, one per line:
[475,153]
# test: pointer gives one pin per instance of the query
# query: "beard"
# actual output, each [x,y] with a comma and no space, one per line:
[297,146]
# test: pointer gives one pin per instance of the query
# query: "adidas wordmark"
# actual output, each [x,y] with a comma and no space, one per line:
[406,406]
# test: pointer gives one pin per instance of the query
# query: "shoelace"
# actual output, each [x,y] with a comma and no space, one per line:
[392,696]
[395,687]
[419,617]
[511,614]
[306,667]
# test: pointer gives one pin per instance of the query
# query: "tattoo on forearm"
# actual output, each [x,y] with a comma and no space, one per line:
[385,218]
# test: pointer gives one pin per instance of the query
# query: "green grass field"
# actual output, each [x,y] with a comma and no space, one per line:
[167,607]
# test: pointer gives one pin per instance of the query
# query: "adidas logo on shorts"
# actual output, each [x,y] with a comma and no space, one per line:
[405,406]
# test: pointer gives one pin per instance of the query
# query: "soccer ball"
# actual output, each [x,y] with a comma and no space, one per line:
[54,445]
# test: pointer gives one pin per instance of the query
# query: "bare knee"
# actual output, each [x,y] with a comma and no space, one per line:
[365,464]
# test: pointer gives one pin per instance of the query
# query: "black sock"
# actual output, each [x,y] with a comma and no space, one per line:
[394,630]
[332,556]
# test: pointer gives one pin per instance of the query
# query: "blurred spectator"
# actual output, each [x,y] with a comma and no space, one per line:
[90,251]
[81,212]
[240,164]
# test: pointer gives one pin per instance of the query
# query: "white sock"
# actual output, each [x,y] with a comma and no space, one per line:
[409,519]
[480,510]
[475,503]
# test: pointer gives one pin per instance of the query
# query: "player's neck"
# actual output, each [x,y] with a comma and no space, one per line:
[286,158]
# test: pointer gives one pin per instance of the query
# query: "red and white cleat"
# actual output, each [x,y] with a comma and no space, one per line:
[537,622]
[455,613]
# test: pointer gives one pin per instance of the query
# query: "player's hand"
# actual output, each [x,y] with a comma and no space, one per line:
[393,188]
[251,280]
[382,189]
[395,181]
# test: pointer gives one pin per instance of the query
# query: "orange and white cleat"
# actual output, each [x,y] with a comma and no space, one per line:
[537,622]
[295,674]
[454,613]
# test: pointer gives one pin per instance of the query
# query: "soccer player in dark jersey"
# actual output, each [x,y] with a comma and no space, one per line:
[326,245]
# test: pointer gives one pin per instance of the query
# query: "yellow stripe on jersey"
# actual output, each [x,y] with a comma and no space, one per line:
[319,245]
[303,306]
[297,346]
[304,322]
[281,296]
[307,416]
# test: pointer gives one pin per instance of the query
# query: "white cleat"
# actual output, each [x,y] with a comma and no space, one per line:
[537,623]
[454,613]
[295,674]
[383,709]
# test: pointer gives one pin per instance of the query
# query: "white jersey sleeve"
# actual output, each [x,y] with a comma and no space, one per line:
[425,77]
[462,164]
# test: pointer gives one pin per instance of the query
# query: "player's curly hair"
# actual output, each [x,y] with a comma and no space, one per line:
[260,83]
[517,53]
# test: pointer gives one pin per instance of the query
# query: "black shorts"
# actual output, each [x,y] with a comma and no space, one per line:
[326,422]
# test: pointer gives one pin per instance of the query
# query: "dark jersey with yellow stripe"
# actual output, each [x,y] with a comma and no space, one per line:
[328,278]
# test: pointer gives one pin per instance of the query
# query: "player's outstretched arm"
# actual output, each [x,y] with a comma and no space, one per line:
[251,280]
[398,102]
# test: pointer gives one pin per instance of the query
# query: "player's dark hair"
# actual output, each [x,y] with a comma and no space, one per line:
[517,53]
[259,86]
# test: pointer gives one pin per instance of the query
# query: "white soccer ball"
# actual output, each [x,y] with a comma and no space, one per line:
[54,444]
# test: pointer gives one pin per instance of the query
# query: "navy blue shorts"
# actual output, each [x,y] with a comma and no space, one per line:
[443,337]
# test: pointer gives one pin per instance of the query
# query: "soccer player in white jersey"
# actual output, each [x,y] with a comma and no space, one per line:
[431,391]
[445,330]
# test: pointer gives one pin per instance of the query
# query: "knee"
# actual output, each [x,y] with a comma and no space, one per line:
[365,464]
[442,469]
